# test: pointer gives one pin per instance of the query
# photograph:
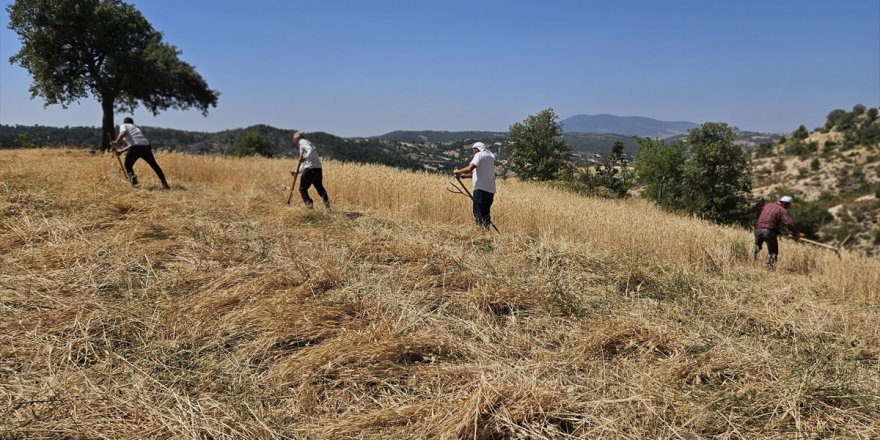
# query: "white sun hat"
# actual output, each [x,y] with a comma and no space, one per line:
[785,199]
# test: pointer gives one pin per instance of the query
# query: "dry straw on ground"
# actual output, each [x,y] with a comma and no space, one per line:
[215,311]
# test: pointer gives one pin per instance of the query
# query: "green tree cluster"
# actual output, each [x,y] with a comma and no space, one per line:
[251,143]
[22,140]
[537,148]
[801,133]
[706,175]
[858,127]
[612,175]
[839,119]
[659,168]
[842,120]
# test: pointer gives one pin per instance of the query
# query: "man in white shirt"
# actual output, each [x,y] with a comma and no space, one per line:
[310,169]
[482,170]
[137,147]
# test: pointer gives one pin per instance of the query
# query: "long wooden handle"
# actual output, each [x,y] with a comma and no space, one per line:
[458,178]
[472,197]
[295,174]
[818,244]
[121,168]
[843,243]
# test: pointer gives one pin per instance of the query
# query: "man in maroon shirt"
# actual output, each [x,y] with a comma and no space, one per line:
[773,216]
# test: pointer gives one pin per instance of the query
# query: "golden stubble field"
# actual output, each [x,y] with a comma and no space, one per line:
[215,311]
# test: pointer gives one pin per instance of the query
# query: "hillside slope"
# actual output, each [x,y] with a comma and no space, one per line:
[215,311]
[835,170]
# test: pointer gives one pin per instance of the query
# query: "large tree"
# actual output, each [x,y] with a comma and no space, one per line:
[251,143]
[707,174]
[537,149]
[74,49]
[717,174]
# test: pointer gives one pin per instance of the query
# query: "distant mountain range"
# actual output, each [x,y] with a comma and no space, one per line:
[626,125]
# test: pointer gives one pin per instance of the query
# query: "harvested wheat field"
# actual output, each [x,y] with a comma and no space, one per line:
[215,311]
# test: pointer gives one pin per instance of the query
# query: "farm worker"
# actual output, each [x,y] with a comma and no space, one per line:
[482,170]
[773,216]
[137,147]
[310,169]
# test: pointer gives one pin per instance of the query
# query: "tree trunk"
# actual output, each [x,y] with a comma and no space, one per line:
[108,129]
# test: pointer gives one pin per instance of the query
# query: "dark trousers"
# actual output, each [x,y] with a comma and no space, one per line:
[144,152]
[482,206]
[768,236]
[312,176]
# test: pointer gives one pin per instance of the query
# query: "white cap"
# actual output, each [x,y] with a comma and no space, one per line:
[785,199]
[480,146]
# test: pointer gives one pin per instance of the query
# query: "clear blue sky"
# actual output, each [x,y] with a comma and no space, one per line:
[362,68]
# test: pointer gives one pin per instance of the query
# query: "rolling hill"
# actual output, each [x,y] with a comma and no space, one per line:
[626,125]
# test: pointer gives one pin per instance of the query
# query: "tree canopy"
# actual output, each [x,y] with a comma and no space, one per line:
[106,49]
[707,174]
[537,149]
[717,174]
[659,167]
[252,143]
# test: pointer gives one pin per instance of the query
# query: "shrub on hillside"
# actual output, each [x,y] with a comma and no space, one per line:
[868,134]
[22,140]
[764,150]
[252,143]
[839,119]
[810,217]
[795,149]
[613,175]
[800,134]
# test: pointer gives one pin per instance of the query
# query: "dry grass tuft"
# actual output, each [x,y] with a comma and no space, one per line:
[216,311]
